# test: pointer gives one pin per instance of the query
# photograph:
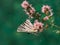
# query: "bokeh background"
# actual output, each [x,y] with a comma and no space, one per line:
[12,15]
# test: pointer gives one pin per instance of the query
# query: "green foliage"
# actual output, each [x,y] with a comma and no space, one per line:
[12,15]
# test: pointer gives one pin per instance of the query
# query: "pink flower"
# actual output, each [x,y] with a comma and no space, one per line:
[32,10]
[25,4]
[41,25]
[45,8]
[46,18]
[38,25]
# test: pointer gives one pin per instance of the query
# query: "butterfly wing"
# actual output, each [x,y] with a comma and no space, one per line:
[26,27]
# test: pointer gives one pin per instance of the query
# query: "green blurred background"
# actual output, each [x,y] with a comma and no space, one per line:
[12,15]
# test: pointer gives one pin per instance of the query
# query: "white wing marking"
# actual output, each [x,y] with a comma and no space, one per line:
[26,27]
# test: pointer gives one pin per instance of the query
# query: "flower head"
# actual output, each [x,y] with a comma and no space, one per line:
[46,18]
[45,8]
[41,25]
[38,25]
[25,4]
[32,11]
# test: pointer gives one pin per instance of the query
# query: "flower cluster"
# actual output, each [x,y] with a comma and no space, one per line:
[32,13]
[28,8]
[46,8]
[25,4]
[38,25]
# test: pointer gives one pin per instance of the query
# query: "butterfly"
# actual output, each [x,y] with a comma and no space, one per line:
[27,26]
